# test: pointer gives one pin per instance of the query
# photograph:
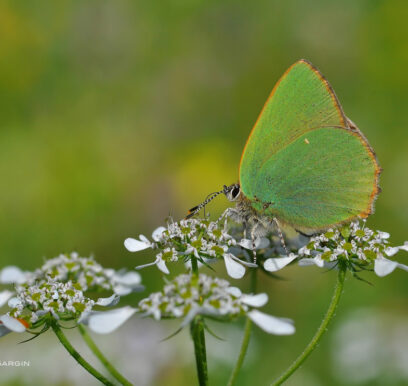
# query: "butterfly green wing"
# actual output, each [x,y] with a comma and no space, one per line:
[304,161]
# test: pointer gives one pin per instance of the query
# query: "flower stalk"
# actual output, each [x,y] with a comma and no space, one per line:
[75,354]
[197,334]
[98,353]
[321,330]
[247,335]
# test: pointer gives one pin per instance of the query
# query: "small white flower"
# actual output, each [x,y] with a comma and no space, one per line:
[159,262]
[134,245]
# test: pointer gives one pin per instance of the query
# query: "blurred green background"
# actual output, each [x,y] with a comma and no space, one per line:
[115,114]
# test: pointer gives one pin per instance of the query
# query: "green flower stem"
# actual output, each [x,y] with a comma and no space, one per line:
[94,348]
[197,333]
[198,336]
[194,265]
[75,354]
[247,335]
[321,330]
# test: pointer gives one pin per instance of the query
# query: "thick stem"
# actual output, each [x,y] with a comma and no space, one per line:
[320,331]
[75,354]
[246,338]
[197,334]
[98,353]
[194,265]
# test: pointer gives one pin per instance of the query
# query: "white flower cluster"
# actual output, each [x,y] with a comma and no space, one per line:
[188,296]
[89,275]
[85,272]
[61,300]
[355,245]
[57,289]
[203,239]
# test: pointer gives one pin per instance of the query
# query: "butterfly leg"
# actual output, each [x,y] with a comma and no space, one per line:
[253,235]
[282,240]
[246,228]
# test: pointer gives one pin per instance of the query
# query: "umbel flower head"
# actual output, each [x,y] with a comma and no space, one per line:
[205,240]
[35,304]
[58,290]
[188,295]
[354,245]
[87,274]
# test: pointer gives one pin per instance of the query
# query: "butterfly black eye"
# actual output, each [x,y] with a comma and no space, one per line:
[235,191]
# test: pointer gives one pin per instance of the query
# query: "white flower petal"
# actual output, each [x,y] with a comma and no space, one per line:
[161,264]
[391,251]
[144,239]
[246,243]
[146,265]
[108,302]
[383,235]
[133,245]
[12,274]
[12,324]
[234,291]
[271,324]
[234,269]
[108,321]
[275,264]
[319,261]
[5,296]
[258,300]
[261,243]
[306,262]
[122,290]
[157,233]
[130,279]
[383,266]
[14,302]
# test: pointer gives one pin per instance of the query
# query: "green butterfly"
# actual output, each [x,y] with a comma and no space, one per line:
[305,164]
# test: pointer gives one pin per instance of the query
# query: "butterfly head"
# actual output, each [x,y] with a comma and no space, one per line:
[232,192]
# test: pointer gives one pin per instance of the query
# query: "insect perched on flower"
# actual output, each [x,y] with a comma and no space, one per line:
[305,163]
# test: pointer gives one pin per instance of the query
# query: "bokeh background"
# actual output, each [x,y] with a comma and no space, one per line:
[114,115]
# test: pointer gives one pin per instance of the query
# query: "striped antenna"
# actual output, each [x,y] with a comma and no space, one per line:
[209,198]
